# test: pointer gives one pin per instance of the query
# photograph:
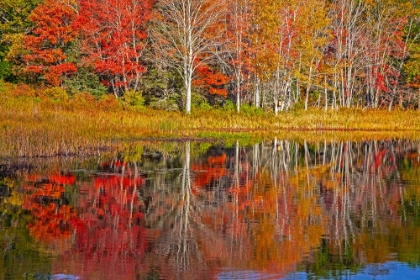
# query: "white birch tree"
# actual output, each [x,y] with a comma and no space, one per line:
[189,33]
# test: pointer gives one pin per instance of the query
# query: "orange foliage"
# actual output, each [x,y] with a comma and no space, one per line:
[212,170]
[52,217]
[212,80]
[68,179]
[50,37]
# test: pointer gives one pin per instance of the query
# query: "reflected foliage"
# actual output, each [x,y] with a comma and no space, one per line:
[190,210]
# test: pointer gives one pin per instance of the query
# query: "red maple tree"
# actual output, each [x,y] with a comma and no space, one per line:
[212,80]
[51,35]
[113,38]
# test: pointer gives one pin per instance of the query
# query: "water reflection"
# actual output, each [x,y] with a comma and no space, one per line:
[200,211]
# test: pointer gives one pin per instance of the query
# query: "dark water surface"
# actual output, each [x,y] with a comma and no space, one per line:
[274,210]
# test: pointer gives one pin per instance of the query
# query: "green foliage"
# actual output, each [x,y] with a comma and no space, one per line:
[5,66]
[14,14]
[298,106]
[168,102]
[13,21]
[133,99]
[199,102]
[411,67]
[160,88]
[56,94]
[155,81]
[85,81]
[250,110]
[5,70]
[229,106]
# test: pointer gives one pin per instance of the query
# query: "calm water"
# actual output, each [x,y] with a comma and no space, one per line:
[274,210]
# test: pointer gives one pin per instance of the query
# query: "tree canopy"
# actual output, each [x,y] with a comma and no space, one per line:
[275,55]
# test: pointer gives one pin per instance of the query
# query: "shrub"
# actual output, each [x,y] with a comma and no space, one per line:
[56,94]
[168,103]
[133,99]
[199,102]
[83,100]
[229,106]
[23,90]
[85,81]
[298,106]
[108,102]
[251,110]
[204,106]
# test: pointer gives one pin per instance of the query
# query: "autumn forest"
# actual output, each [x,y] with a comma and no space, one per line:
[182,54]
[209,139]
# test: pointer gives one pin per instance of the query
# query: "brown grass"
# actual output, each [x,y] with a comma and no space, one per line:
[37,126]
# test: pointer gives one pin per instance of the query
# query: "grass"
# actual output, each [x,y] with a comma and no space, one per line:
[34,126]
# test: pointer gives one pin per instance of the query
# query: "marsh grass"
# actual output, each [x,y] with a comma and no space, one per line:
[35,126]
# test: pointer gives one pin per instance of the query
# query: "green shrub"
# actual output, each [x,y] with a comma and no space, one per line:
[298,106]
[56,94]
[251,110]
[204,106]
[199,102]
[6,72]
[85,81]
[133,99]
[229,106]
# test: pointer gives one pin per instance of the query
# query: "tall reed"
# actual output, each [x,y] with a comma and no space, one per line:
[37,126]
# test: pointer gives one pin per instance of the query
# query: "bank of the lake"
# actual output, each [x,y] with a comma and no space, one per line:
[41,127]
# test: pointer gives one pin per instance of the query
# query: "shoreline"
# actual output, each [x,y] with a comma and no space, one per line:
[43,128]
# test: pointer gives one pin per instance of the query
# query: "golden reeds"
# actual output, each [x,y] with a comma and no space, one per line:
[33,126]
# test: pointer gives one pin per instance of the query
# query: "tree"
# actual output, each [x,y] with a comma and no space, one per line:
[265,22]
[313,25]
[189,33]
[213,81]
[411,69]
[51,35]
[348,46]
[239,48]
[114,37]
[13,23]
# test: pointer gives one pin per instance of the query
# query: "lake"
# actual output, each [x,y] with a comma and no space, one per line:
[279,209]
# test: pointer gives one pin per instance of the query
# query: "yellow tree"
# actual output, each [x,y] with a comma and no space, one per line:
[312,23]
[346,47]
[240,45]
[265,22]
[289,39]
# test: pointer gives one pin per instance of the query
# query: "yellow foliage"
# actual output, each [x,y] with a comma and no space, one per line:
[16,199]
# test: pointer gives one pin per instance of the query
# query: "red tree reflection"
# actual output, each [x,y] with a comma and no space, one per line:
[52,216]
[110,238]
